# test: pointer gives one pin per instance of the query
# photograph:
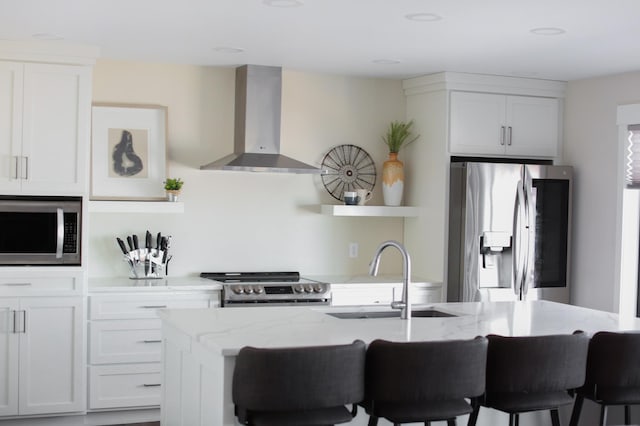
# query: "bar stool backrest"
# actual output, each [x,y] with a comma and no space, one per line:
[613,361]
[301,378]
[536,364]
[426,371]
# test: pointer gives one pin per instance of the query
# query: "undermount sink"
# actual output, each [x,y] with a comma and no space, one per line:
[424,313]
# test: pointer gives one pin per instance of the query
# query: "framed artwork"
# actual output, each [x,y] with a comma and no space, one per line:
[128,152]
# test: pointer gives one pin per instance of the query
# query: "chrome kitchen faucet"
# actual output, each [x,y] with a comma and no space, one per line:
[405,304]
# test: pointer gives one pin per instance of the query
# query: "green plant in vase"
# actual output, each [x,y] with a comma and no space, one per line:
[399,134]
[173,187]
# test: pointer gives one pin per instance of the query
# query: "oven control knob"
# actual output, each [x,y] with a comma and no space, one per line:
[258,289]
[318,288]
[308,288]
[237,289]
[298,288]
[248,289]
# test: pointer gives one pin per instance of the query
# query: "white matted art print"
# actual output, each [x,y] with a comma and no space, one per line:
[128,152]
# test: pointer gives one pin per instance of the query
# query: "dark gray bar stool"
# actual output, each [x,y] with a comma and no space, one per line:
[613,374]
[302,386]
[424,381]
[534,373]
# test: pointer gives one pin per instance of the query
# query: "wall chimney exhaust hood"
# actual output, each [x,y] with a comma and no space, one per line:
[257,125]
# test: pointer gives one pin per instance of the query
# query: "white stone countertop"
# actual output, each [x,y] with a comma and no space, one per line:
[120,284]
[224,331]
[125,284]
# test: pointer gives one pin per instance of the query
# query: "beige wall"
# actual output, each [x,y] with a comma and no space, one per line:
[592,146]
[251,221]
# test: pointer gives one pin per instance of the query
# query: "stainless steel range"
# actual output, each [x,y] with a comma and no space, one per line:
[259,288]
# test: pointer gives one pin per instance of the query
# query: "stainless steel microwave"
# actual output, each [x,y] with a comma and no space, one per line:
[40,230]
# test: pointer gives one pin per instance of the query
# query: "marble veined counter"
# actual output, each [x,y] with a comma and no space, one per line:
[200,344]
[125,284]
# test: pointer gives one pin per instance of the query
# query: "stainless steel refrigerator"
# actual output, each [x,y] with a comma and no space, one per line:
[509,232]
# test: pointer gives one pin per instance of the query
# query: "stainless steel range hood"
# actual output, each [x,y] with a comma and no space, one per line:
[257,125]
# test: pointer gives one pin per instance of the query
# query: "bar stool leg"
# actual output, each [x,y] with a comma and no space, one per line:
[451,422]
[555,418]
[603,415]
[373,421]
[513,419]
[577,410]
[473,417]
[627,415]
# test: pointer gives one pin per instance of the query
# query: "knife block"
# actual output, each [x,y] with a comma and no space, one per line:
[146,264]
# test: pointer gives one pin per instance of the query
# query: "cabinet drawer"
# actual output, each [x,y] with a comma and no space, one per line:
[119,386]
[141,306]
[124,341]
[49,283]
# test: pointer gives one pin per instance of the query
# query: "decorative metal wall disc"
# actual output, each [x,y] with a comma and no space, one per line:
[349,167]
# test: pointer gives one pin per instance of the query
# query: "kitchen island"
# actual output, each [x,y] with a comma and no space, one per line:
[200,345]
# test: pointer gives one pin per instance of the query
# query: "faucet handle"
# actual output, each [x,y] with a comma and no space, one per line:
[396,304]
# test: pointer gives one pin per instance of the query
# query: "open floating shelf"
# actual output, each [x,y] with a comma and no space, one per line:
[374,211]
[135,207]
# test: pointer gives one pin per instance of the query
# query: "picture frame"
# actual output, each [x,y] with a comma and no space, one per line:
[128,152]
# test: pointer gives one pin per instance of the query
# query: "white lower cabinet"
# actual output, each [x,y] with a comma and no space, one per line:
[125,345]
[40,357]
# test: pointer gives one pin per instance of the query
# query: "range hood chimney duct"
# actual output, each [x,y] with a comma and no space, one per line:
[257,125]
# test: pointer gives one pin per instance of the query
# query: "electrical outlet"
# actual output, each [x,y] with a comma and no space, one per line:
[353,250]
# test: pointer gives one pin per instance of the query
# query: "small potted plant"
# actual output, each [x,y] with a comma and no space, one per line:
[173,186]
[398,134]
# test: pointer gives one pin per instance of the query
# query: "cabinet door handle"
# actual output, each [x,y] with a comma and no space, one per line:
[19,316]
[510,134]
[151,385]
[152,341]
[17,284]
[154,306]
[25,174]
[502,135]
[17,165]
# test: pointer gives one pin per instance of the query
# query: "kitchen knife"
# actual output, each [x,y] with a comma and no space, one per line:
[158,241]
[147,240]
[130,242]
[135,242]
[122,247]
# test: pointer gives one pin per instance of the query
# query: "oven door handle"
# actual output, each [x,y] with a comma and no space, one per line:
[60,233]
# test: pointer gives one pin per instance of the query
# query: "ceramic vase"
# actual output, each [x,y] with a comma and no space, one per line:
[392,180]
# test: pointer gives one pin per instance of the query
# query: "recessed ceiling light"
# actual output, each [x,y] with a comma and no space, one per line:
[47,36]
[283,3]
[423,17]
[227,49]
[386,61]
[548,31]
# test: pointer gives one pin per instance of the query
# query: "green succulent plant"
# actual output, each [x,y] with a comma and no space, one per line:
[172,184]
[398,135]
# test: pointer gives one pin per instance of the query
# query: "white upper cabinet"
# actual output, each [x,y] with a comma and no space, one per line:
[44,128]
[11,84]
[494,124]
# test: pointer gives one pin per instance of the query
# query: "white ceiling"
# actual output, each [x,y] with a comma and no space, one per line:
[347,36]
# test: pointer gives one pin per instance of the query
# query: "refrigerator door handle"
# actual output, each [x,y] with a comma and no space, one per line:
[519,215]
[529,229]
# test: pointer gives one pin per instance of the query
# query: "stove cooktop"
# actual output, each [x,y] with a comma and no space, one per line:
[269,287]
[256,277]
